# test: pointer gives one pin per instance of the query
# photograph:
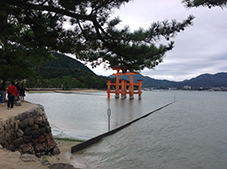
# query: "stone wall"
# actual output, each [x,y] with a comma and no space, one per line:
[28,132]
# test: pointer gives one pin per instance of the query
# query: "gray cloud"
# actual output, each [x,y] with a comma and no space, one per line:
[201,48]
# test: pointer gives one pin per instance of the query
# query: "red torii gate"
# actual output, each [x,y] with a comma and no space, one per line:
[124,85]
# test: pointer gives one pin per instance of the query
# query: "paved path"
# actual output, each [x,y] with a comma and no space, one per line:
[4,113]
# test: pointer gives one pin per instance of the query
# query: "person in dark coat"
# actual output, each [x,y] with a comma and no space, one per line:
[17,96]
[22,93]
[2,92]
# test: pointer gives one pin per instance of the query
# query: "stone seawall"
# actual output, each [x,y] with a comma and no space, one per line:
[28,132]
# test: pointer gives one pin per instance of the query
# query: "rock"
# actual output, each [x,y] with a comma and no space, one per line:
[31,121]
[42,131]
[16,126]
[38,154]
[3,136]
[13,135]
[12,147]
[45,162]
[40,147]
[28,158]
[23,124]
[55,151]
[38,120]
[35,127]
[6,145]
[35,134]
[22,116]
[17,153]
[48,136]
[27,139]
[34,114]
[17,142]
[34,141]
[20,133]
[28,131]
[42,125]
[61,166]
[7,127]
[9,139]
[51,144]
[1,129]
[27,148]
[41,139]
[48,129]
[19,150]
[18,103]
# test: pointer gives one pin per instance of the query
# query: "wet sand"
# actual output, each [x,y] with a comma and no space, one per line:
[12,160]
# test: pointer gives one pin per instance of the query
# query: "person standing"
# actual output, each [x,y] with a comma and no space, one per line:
[22,92]
[17,96]
[2,92]
[12,90]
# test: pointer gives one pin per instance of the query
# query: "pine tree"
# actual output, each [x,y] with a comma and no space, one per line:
[33,28]
[208,3]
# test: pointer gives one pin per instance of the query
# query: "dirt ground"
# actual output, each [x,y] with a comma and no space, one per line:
[12,160]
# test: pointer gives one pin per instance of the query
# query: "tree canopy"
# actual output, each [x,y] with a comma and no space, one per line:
[31,29]
[208,3]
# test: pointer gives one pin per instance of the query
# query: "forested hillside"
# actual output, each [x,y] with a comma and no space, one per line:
[63,66]
[65,72]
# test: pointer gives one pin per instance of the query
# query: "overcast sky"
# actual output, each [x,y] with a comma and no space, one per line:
[199,49]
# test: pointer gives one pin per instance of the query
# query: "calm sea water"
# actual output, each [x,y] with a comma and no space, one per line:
[84,115]
[191,133]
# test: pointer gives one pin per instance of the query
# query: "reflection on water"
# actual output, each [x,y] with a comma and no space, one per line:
[127,113]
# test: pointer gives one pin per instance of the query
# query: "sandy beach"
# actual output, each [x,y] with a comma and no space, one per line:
[40,90]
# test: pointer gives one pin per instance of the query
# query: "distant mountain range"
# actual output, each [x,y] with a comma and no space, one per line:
[204,80]
[67,66]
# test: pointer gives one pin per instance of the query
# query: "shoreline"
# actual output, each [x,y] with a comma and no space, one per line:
[65,151]
[54,90]
[15,160]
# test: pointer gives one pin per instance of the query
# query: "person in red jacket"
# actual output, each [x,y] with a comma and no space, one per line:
[12,90]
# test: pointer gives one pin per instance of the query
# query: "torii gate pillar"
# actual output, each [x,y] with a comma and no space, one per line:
[131,86]
[124,85]
[117,83]
[140,86]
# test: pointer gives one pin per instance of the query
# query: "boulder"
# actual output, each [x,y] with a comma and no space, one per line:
[29,158]
[27,148]
[27,131]
[61,166]
[18,103]
[35,134]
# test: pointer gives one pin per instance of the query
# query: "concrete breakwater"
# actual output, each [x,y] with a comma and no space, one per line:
[28,132]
